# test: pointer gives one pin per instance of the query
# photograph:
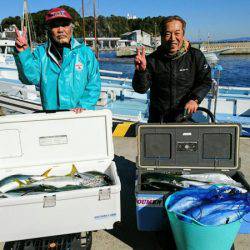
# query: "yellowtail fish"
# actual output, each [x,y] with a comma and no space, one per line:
[58,182]
[34,190]
[14,181]
[18,181]
[64,183]
[71,181]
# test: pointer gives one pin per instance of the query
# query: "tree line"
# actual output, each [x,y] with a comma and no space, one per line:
[110,26]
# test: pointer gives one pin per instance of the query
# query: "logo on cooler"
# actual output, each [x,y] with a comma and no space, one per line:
[146,201]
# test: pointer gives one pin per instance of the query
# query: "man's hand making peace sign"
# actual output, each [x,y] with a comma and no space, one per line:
[140,59]
[21,40]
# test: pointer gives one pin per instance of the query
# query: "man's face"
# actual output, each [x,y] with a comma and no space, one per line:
[173,37]
[61,31]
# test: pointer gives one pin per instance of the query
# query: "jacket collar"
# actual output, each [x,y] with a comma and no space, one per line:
[184,49]
[73,42]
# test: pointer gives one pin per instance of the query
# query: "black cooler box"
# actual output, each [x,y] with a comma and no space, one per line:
[183,149]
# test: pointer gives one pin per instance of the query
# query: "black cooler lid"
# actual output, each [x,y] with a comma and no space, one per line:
[189,146]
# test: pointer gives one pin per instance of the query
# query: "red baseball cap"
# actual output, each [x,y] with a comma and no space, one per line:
[57,13]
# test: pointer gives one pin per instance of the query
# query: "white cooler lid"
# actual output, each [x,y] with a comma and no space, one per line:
[37,139]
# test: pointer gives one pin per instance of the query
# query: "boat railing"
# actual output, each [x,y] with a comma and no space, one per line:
[117,80]
[111,72]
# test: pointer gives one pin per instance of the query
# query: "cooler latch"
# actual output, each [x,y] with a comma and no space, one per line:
[49,201]
[104,194]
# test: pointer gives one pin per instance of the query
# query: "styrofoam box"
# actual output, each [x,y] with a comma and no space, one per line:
[31,144]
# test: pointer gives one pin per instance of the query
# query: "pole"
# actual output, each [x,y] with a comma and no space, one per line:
[155,36]
[27,23]
[95,30]
[216,92]
[22,17]
[83,23]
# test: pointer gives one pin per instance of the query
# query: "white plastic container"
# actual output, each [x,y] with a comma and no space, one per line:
[31,144]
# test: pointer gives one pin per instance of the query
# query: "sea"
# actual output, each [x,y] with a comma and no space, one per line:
[235,68]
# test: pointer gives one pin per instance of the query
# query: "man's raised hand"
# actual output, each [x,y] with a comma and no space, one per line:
[140,59]
[21,40]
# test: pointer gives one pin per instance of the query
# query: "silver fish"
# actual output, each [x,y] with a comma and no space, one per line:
[185,203]
[190,183]
[213,178]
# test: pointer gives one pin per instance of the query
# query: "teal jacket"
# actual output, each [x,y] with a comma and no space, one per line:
[74,84]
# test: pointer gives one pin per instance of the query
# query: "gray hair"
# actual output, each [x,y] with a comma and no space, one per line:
[170,19]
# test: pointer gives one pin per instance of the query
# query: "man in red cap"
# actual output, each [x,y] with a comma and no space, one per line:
[66,71]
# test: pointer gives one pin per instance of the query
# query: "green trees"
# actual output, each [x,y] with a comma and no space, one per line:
[111,26]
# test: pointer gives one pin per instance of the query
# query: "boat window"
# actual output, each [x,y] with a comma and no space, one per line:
[10,50]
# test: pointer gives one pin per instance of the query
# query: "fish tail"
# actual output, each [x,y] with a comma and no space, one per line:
[46,173]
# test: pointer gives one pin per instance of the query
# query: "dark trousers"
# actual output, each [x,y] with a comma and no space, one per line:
[171,115]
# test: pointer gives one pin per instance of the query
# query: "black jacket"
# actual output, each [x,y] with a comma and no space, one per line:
[173,82]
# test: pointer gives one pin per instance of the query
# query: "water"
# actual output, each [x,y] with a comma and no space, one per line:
[236,68]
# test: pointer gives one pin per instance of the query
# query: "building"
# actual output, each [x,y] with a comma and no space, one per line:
[129,16]
[8,33]
[137,38]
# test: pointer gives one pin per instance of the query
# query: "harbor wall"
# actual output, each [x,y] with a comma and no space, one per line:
[235,48]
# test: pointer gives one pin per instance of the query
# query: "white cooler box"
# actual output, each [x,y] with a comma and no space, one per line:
[31,144]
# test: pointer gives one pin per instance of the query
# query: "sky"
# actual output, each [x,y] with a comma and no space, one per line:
[218,19]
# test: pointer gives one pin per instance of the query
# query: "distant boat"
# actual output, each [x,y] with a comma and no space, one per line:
[212,56]
[7,45]
[6,49]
